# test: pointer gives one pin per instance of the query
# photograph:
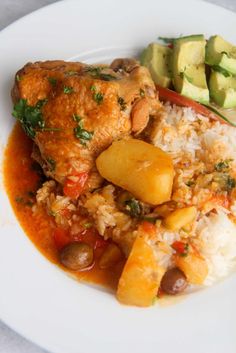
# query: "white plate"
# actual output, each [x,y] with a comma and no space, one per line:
[36,298]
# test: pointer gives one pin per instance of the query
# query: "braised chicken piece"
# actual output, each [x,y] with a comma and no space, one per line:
[73,112]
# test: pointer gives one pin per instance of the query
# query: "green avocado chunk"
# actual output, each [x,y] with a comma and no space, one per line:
[223,89]
[188,68]
[221,53]
[156,58]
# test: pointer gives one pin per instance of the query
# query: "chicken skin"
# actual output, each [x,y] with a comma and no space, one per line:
[73,112]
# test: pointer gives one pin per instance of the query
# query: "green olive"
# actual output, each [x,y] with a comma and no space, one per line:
[77,256]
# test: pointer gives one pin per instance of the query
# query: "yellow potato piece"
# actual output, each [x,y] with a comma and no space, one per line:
[141,277]
[180,218]
[139,167]
[194,267]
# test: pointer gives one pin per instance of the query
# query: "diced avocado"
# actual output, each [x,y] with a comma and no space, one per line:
[223,89]
[156,58]
[188,68]
[221,53]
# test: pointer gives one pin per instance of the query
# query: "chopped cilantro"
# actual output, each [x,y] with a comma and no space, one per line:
[18,78]
[93,88]
[82,134]
[52,80]
[222,165]
[133,207]
[107,77]
[30,117]
[122,103]
[98,97]
[68,89]
[76,118]
[190,183]
[27,200]
[186,250]
[230,183]
[96,72]
[19,199]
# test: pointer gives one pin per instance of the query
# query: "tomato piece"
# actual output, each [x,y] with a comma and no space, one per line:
[180,247]
[166,94]
[74,184]
[148,227]
[91,237]
[61,237]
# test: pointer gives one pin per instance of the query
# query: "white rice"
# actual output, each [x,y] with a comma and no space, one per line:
[201,143]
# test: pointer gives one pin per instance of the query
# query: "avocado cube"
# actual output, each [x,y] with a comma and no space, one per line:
[223,89]
[221,53]
[188,68]
[156,58]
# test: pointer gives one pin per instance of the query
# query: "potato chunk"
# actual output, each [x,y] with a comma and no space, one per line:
[194,267]
[139,167]
[141,277]
[180,218]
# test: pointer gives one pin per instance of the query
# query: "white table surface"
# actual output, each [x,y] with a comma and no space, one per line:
[11,10]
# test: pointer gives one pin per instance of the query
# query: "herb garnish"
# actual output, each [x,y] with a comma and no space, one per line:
[28,200]
[222,165]
[96,72]
[190,183]
[68,89]
[93,88]
[225,181]
[76,118]
[122,103]
[133,207]
[31,117]
[18,78]
[52,80]
[98,97]
[80,133]
[230,183]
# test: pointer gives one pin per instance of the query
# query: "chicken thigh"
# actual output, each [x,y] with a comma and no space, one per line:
[73,112]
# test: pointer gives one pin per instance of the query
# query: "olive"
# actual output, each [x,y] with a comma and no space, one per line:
[76,256]
[174,281]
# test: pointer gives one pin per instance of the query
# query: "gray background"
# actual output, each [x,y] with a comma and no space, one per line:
[11,10]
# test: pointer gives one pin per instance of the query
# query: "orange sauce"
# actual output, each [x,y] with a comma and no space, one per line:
[21,182]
